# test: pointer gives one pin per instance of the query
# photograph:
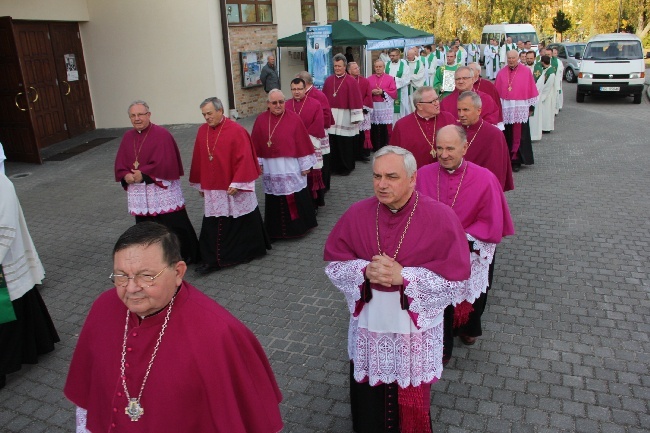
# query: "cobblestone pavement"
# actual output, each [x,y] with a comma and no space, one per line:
[566,343]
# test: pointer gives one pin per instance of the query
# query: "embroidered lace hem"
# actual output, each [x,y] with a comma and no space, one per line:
[348,277]
[407,359]
[152,199]
[430,294]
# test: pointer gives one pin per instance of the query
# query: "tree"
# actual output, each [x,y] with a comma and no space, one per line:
[385,9]
[561,23]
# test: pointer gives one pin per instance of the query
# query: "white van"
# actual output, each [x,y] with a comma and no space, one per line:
[499,32]
[612,63]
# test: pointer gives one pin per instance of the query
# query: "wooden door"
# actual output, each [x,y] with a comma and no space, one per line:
[72,78]
[41,84]
[16,134]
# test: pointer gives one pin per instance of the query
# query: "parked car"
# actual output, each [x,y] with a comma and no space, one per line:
[566,51]
[612,64]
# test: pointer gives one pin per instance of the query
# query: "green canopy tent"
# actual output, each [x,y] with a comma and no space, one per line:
[412,37]
[344,33]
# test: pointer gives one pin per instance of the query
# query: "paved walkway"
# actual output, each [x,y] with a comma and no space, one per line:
[566,345]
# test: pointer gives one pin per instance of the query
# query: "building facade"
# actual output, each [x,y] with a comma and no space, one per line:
[171,54]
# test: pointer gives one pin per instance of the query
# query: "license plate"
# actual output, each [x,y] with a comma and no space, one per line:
[610,89]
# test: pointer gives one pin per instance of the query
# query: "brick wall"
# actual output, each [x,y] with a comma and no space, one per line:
[249,101]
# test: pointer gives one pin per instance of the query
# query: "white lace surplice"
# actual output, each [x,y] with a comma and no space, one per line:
[151,199]
[384,342]
[282,175]
[478,280]
[81,418]
[218,203]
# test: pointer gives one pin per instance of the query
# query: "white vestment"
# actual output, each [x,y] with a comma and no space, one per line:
[559,102]
[538,121]
[402,84]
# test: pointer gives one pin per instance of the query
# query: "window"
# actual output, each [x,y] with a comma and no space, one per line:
[353,8]
[249,11]
[307,11]
[332,10]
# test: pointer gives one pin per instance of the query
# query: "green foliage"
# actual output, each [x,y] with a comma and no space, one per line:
[561,22]
[385,9]
[466,18]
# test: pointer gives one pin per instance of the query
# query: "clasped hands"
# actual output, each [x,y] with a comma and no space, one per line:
[134,177]
[385,271]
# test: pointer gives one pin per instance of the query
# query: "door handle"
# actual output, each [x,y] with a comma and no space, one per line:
[35,91]
[16,102]
[69,88]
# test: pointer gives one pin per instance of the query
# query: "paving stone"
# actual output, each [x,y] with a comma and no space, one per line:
[566,335]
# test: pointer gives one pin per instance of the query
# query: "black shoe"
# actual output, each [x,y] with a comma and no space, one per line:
[206,269]
[3,380]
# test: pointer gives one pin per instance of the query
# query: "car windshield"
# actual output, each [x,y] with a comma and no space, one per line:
[573,49]
[523,37]
[613,50]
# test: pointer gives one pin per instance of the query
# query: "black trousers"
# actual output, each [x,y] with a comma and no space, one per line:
[378,136]
[179,223]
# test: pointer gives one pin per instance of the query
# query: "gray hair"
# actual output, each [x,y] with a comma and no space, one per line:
[475,66]
[137,102]
[340,58]
[347,68]
[218,105]
[417,95]
[466,68]
[306,76]
[410,164]
[476,99]
[272,91]
[460,131]
[379,61]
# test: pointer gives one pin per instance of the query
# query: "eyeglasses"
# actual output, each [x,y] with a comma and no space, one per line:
[140,280]
[430,102]
[134,115]
[462,78]
[276,102]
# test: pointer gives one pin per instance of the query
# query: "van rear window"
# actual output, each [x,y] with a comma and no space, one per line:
[523,37]
[613,50]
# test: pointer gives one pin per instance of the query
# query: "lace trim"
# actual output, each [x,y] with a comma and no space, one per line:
[382,112]
[480,262]
[81,418]
[283,183]
[151,199]
[516,111]
[364,125]
[307,162]
[408,359]
[430,294]
[218,203]
[325,144]
[348,277]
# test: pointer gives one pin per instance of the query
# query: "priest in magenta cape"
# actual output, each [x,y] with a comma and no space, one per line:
[224,170]
[487,145]
[149,167]
[345,100]
[286,153]
[417,131]
[311,114]
[397,274]
[477,198]
[464,77]
[363,144]
[518,92]
[485,86]
[328,120]
[210,374]
[384,93]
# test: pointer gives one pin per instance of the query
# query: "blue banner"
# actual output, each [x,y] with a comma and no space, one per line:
[319,59]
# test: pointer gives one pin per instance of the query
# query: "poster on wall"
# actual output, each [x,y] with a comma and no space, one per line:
[71,67]
[252,63]
[319,59]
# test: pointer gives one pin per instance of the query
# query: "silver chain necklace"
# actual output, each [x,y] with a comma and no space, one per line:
[134,409]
